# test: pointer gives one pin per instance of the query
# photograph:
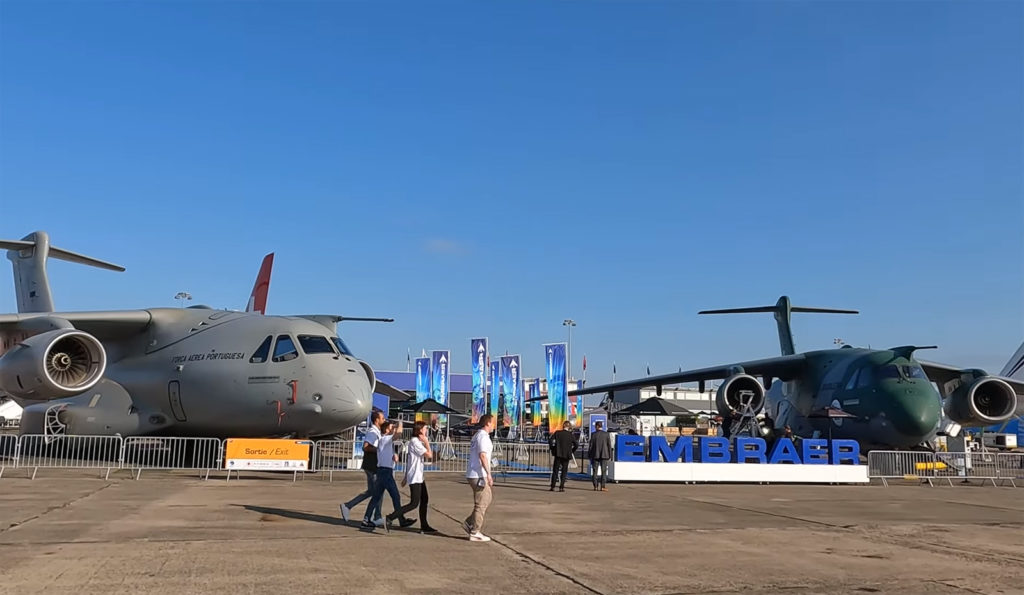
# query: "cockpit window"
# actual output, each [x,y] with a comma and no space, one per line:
[914,372]
[853,381]
[314,344]
[341,346]
[865,378]
[889,371]
[284,349]
[260,355]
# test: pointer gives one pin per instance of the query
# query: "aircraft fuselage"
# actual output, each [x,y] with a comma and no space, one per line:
[894,403]
[202,372]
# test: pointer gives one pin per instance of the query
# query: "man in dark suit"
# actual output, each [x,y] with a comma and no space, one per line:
[563,444]
[599,452]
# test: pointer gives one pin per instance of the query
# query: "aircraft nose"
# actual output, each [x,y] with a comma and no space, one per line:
[916,413]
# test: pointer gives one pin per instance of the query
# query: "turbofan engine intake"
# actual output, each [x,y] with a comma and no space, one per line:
[53,365]
[736,393]
[984,402]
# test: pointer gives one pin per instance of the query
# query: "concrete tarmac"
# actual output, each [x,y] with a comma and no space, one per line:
[174,534]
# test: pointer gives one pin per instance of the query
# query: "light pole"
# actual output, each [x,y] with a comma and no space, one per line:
[569,322]
[183,296]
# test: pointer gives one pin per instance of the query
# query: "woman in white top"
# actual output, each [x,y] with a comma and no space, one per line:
[417,451]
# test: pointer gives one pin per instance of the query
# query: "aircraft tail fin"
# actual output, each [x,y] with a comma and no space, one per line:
[782,310]
[31,283]
[260,290]
[1015,367]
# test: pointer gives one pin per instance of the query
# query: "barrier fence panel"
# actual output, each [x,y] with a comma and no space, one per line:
[966,466]
[335,455]
[523,457]
[909,465]
[201,454]
[1010,467]
[70,452]
[8,452]
[449,457]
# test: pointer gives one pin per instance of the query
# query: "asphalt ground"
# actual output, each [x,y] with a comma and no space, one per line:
[170,533]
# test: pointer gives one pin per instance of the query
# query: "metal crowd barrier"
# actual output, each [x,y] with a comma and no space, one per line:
[166,453]
[522,457]
[946,466]
[69,452]
[898,464]
[335,455]
[8,452]
[1010,467]
[966,466]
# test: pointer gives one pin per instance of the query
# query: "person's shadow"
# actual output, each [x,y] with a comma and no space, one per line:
[329,520]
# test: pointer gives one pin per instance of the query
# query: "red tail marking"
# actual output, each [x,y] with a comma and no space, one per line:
[258,297]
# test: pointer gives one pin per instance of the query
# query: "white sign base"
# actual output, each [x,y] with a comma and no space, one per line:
[737,473]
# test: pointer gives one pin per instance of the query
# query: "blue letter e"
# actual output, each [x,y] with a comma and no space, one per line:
[629,448]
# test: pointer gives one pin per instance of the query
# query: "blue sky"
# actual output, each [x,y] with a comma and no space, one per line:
[493,168]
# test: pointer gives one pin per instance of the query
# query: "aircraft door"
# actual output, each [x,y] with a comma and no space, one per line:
[174,395]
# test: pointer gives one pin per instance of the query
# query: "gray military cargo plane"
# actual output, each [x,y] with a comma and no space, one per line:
[883,398]
[174,371]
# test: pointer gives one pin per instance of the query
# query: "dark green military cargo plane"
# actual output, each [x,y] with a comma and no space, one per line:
[883,398]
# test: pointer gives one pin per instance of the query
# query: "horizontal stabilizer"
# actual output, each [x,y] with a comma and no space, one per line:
[766,309]
[782,309]
[28,257]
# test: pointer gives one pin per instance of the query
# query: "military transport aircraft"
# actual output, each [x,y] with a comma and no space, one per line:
[884,397]
[174,371]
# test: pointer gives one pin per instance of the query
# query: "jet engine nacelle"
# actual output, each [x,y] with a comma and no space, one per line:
[737,392]
[52,365]
[983,402]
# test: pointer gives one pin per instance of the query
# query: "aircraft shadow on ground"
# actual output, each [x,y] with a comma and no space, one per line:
[328,520]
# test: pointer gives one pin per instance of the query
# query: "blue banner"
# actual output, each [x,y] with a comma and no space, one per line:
[511,386]
[495,389]
[478,347]
[440,375]
[422,379]
[558,403]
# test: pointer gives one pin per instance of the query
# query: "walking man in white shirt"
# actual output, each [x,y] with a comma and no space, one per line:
[370,442]
[385,480]
[480,478]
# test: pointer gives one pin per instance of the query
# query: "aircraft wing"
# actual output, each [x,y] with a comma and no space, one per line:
[382,388]
[102,325]
[785,367]
[943,373]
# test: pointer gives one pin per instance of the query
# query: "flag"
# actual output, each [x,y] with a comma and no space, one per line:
[613,367]
[584,362]
[648,369]
[408,359]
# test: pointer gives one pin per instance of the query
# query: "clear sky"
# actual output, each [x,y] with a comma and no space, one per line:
[489,169]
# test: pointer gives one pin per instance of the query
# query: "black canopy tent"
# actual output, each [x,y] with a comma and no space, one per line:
[655,406]
[831,413]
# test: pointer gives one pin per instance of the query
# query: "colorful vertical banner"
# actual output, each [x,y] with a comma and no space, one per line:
[478,347]
[535,406]
[511,385]
[422,384]
[558,405]
[422,379]
[440,377]
[576,414]
[495,388]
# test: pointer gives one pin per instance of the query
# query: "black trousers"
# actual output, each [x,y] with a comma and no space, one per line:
[561,465]
[594,465]
[418,496]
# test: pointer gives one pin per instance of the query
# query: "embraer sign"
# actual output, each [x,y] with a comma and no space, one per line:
[710,459]
[748,450]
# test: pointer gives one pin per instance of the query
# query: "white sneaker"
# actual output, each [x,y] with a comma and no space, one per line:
[379,522]
[478,536]
[345,511]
